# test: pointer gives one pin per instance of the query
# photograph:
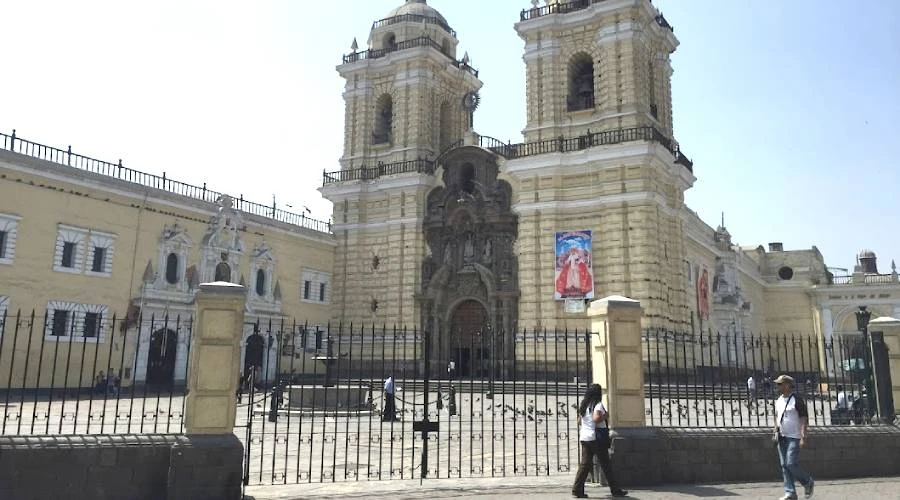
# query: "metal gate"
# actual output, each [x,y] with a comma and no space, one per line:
[329,418]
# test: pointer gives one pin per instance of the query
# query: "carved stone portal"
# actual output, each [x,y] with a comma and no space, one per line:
[470,291]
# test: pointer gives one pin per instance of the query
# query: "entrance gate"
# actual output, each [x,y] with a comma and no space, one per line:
[515,419]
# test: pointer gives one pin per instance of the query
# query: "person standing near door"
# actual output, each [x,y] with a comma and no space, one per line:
[390,406]
[593,432]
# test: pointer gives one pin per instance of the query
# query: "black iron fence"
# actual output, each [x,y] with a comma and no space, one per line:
[718,380]
[162,182]
[77,371]
[370,403]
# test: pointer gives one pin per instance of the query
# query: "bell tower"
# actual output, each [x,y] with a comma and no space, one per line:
[596,66]
[600,156]
[404,105]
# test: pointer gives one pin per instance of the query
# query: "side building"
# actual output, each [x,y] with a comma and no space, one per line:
[108,260]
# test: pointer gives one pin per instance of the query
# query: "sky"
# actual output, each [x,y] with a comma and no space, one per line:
[788,109]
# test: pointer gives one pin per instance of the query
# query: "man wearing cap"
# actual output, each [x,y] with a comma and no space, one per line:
[791,421]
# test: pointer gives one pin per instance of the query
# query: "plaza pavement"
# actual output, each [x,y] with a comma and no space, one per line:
[559,487]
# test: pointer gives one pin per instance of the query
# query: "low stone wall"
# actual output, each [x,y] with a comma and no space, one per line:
[151,467]
[653,456]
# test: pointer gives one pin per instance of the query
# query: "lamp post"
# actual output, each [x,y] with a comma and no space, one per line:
[862,324]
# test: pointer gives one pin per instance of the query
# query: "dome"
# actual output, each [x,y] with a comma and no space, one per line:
[416,8]
[866,254]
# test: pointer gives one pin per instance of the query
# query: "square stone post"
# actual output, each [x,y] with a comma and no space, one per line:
[891,329]
[215,358]
[617,359]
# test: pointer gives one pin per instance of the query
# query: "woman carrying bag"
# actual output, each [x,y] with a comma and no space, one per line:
[593,432]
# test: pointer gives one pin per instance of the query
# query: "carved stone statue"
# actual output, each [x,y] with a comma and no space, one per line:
[469,250]
[486,254]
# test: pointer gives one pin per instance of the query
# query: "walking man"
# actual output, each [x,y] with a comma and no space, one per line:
[792,420]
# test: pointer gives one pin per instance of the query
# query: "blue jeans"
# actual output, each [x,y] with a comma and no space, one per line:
[788,449]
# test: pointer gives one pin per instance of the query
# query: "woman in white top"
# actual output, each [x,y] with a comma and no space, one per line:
[593,433]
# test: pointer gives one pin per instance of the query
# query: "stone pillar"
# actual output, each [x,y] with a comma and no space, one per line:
[891,329]
[215,359]
[617,359]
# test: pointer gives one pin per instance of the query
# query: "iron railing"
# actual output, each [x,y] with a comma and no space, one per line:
[72,373]
[369,173]
[521,150]
[414,18]
[703,380]
[575,6]
[505,407]
[421,41]
[163,183]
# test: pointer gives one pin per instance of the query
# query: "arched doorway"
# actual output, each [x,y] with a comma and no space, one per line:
[161,358]
[466,343]
[254,352]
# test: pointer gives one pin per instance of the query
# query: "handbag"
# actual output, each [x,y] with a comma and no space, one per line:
[602,436]
[776,433]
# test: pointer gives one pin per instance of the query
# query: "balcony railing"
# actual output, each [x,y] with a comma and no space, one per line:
[868,279]
[565,145]
[370,173]
[422,41]
[512,151]
[414,18]
[575,6]
[67,158]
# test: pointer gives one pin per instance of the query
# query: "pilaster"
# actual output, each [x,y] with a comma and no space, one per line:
[617,360]
[891,329]
[215,357]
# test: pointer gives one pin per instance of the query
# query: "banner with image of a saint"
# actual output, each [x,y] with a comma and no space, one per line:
[703,293]
[574,271]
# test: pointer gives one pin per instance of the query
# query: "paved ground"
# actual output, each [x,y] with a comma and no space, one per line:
[558,487]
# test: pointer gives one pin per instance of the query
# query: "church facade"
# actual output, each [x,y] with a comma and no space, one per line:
[459,234]
[436,228]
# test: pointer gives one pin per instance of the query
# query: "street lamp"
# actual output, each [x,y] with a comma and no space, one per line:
[862,324]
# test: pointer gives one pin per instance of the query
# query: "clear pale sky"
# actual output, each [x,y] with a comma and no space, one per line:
[788,109]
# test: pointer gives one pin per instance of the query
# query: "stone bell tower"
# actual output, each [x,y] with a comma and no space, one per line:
[600,156]
[403,98]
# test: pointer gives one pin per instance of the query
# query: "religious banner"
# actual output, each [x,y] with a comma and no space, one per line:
[703,293]
[574,272]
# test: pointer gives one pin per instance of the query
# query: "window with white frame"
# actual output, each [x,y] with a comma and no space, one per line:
[315,287]
[80,250]
[9,228]
[70,321]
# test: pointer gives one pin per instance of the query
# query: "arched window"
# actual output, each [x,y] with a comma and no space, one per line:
[384,118]
[467,178]
[389,42]
[260,283]
[581,82]
[223,272]
[172,269]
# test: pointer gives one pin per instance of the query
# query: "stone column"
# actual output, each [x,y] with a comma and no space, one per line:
[617,360]
[215,359]
[891,329]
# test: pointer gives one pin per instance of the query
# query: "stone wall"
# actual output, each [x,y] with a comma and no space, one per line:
[651,456]
[151,467]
